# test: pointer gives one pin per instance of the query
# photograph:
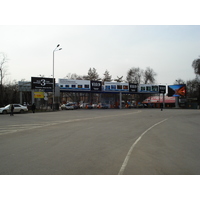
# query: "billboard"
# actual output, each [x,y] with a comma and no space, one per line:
[24,86]
[96,85]
[177,90]
[162,89]
[38,95]
[133,87]
[42,83]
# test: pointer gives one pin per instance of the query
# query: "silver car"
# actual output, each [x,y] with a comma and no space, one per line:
[18,108]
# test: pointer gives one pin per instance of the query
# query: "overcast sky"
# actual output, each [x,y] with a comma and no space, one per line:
[168,50]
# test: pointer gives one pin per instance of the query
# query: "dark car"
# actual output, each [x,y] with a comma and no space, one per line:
[142,105]
[88,106]
[102,105]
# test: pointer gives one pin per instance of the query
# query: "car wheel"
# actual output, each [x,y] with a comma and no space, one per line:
[5,112]
[21,111]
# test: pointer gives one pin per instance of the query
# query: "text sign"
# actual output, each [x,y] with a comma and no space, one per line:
[133,87]
[162,89]
[96,85]
[42,83]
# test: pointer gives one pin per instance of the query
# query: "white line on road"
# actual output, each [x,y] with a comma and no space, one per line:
[131,149]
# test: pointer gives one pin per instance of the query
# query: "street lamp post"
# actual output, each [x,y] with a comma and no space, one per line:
[56,49]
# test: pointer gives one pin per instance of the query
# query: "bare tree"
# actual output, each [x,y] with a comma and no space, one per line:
[179,81]
[134,75]
[196,66]
[149,76]
[119,79]
[92,75]
[107,77]
[74,76]
[3,70]
[193,88]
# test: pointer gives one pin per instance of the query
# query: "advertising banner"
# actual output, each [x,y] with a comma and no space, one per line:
[177,90]
[38,95]
[42,83]
[24,86]
[162,89]
[96,85]
[133,87]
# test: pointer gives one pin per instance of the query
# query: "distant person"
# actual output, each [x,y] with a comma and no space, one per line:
[161,106]
[33,108]
[11,110]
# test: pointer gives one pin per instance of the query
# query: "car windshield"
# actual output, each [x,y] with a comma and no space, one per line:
[7,106]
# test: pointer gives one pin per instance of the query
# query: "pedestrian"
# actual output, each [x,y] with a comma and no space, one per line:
[161,106]
[11,109]
[33,108]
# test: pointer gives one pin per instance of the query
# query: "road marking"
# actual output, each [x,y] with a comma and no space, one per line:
[121,171]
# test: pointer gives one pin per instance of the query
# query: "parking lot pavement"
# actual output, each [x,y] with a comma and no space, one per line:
[141,141]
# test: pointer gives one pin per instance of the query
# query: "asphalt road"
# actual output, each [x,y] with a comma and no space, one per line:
[101,142]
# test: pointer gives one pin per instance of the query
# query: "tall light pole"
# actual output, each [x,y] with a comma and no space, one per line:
[56,49]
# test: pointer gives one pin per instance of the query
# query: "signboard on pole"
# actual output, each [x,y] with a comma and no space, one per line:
[177,90]
[24,86]
[42,83]
[162,89]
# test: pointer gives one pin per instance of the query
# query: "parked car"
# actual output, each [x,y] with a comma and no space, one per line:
[94,105]
[18,108]
[67,107]
[142,105]
[83,105]
[88,106]
[102,105]
[76,106]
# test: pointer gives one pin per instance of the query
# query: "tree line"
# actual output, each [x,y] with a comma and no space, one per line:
[9,91]
[134,75]
[193,85]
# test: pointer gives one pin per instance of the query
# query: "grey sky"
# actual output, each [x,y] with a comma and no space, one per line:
[169,50]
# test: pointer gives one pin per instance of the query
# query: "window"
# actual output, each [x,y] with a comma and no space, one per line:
[142,88]
[107,87]
[86,86]
[80,86]
[113,87]
[67,86]
[119,87]
[125,87]
[15,105]
[148,88]
[155,88]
